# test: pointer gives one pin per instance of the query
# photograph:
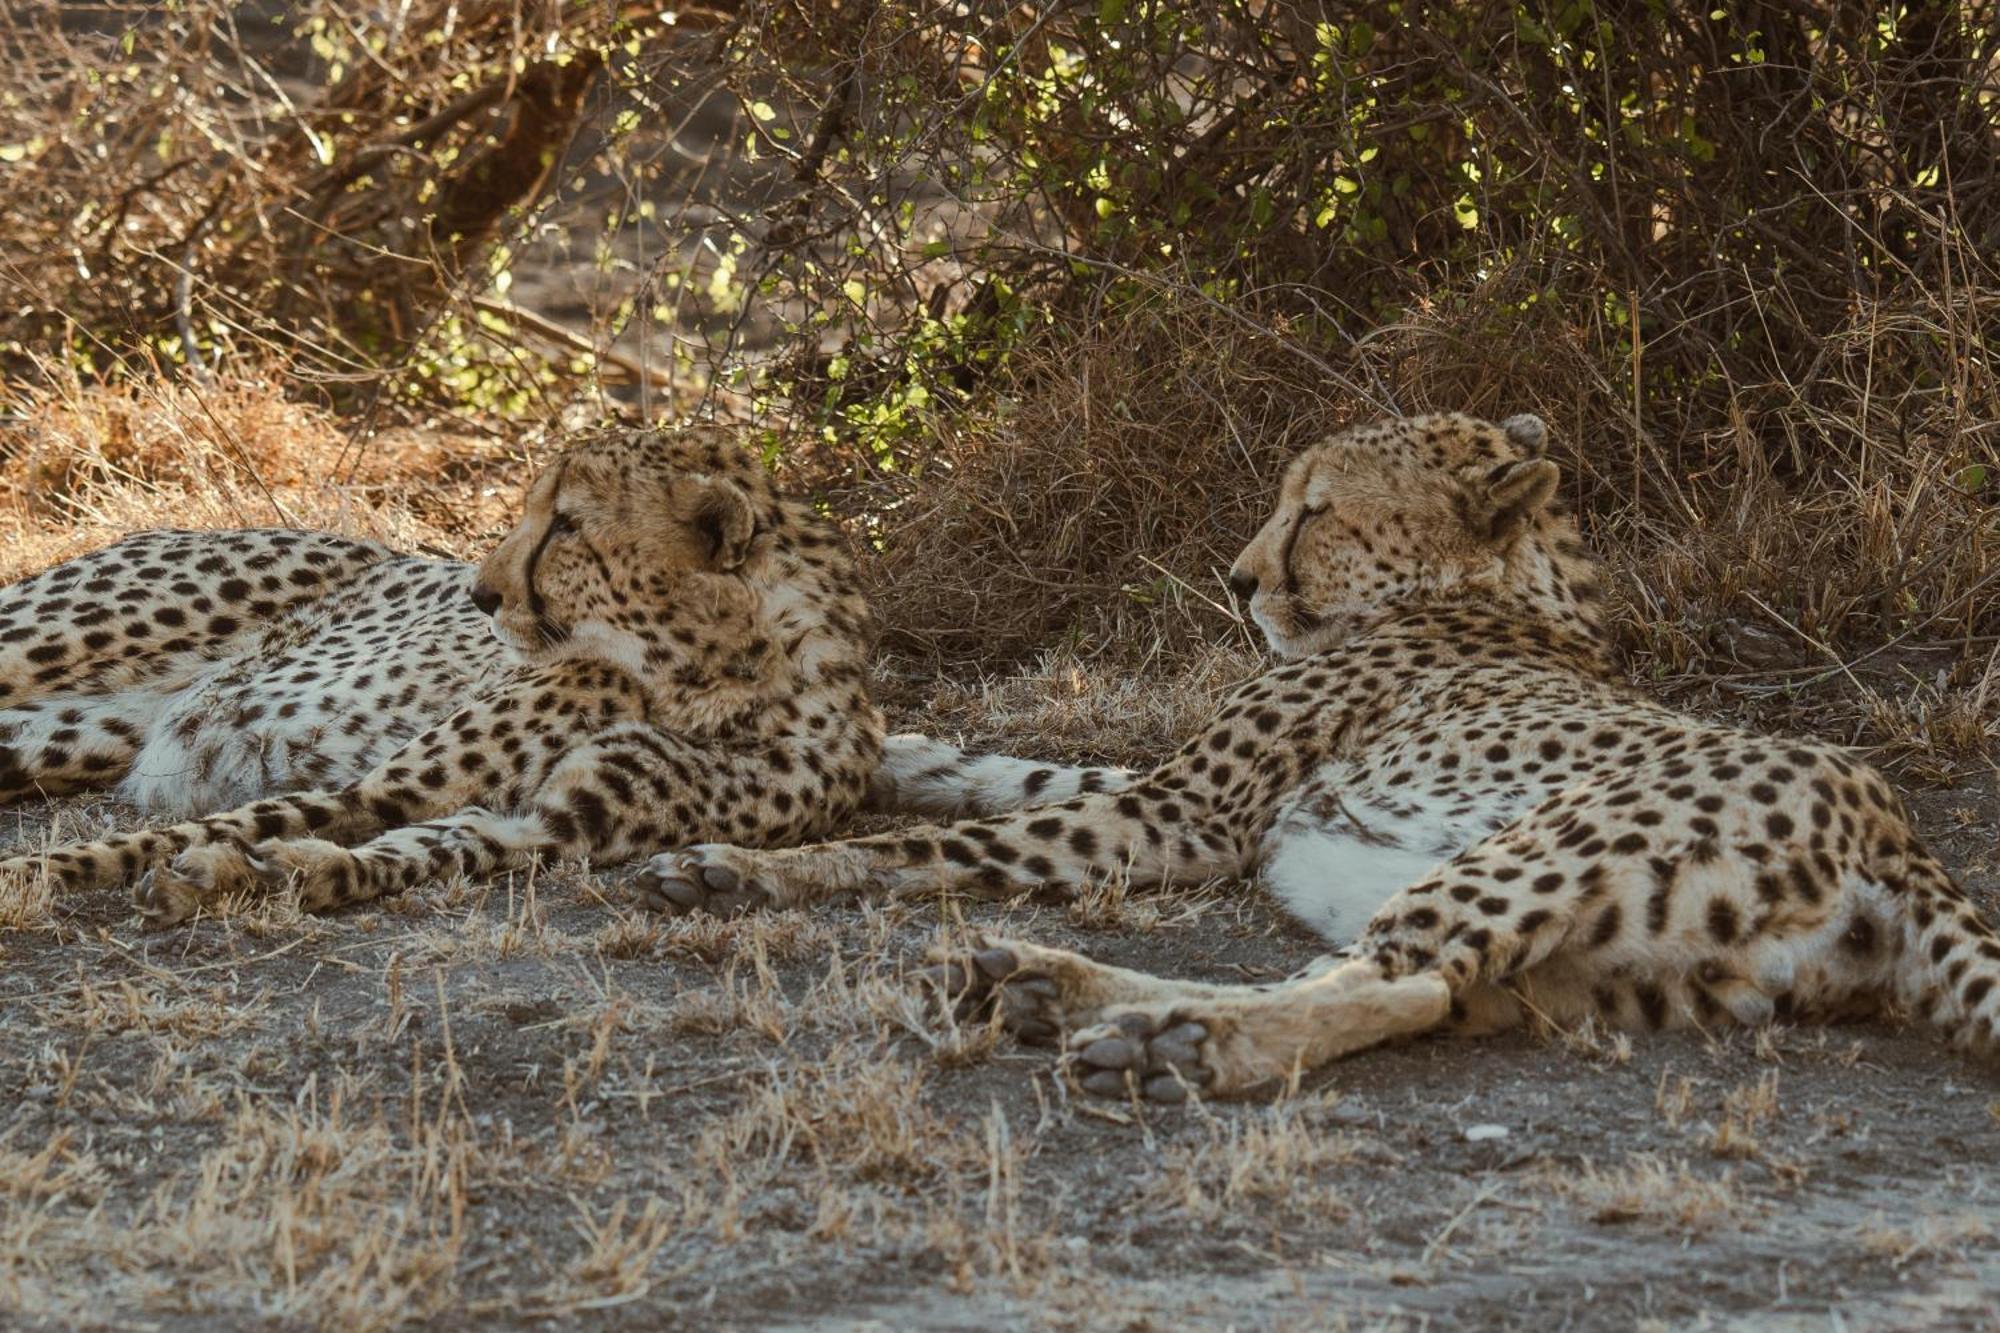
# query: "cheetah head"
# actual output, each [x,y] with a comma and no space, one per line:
[1393,514]
[636,546]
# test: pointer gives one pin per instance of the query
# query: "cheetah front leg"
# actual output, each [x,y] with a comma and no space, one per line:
[1148,835]
[469,843]
[622,793]
[207,853]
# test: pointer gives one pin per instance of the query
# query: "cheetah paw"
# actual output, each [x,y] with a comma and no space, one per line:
[709,878]
[991,979]
[325,872]
[197,877]
[1151,1053]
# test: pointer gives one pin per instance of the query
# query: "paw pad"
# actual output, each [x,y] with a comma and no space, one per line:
[682,883]
[1160,1059]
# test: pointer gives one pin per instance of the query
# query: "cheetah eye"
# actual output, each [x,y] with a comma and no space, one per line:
[561,525]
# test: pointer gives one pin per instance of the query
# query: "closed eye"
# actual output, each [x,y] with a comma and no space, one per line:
[561,525]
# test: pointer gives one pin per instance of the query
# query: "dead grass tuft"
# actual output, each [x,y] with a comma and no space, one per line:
[854,1115]
[1280,1161]
[87,462]
[1129,461]
[1652,1190]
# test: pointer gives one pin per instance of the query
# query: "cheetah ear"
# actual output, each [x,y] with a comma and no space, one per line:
[1507,497]
[722,518]
[1526,432]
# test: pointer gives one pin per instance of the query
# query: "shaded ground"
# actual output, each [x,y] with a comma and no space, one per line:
[504,1104]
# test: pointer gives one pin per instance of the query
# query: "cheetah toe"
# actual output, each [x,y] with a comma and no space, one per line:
[197,878]
[163,898]
[700,879]
[990,980]
[1156,1054]
[161,903]
[323,871]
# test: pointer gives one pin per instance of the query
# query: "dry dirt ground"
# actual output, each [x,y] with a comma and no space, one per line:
[530,1102]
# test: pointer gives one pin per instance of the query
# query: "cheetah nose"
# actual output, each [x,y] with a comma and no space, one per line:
[1244,586]
[483,597]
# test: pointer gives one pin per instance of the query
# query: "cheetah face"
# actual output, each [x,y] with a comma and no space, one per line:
[1387,515]
[626,548]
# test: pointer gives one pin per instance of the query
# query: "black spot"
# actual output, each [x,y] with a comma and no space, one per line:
[1652,1004]
[1860,937]
[1722,922]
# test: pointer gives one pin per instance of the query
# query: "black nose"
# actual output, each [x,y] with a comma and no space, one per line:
[1243,585]
[485,598]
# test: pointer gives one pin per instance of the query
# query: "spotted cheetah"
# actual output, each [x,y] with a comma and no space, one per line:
[670,651]
[191,671]
[1445,775]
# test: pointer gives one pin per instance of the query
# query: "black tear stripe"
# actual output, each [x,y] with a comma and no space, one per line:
[536,606]
[1285,557]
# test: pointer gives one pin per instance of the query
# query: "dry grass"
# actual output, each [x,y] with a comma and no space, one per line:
[1648,1189]
[1283,1162]
[87,463]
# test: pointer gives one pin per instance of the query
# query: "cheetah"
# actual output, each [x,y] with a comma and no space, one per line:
[1444,777]
[671,651]
[192,671]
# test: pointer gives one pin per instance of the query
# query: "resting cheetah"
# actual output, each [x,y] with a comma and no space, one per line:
[196,670]
[1443,771]
[683,658]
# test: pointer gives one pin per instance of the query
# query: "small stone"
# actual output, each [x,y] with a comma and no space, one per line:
[1481,1133]
[1166,1088]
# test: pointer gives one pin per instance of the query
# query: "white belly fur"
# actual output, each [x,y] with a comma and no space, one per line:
[1337,852]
